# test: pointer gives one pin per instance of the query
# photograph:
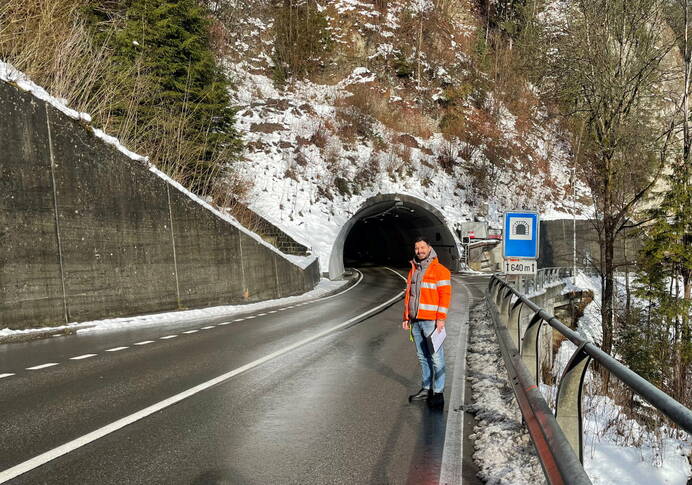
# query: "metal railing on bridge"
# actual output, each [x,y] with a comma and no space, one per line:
[558,438]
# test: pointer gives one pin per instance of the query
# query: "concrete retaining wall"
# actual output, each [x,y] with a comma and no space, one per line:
[87,233]
[556,247]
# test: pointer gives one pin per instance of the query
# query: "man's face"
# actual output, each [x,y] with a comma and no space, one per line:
[422,250]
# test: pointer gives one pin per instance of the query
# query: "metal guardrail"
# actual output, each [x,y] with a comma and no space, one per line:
[558,438]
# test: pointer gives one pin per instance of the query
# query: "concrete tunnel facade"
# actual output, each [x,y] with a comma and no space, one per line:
[383,231]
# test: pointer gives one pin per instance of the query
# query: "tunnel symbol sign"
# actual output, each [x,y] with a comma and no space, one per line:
[522,230]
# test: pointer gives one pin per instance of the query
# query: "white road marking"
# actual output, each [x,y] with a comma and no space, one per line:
[250,317]
[50,455]
[9,374]
[284,308]
[145,342]
[85,356]
[208,327]
[116,349]
[273,311]
[42,366]
[191,331]
[261,314]
[167,337]
[238,319]
[224,323]
[453,447]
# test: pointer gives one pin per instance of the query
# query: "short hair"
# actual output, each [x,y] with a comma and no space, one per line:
[421,239]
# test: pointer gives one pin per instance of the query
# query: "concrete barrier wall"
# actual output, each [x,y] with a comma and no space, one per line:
[86,232]
[556,244]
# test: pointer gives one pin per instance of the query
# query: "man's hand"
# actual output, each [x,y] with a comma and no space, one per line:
[440,324]
[406,325]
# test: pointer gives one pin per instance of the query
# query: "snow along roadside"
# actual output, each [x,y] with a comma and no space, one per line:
[504,452]
[324,287]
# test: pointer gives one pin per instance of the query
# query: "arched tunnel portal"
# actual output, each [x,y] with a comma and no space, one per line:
[383,231]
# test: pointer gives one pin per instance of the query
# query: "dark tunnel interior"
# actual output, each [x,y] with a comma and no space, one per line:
[384,234]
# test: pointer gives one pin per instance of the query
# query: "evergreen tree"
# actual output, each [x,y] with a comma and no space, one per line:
[178,92]
[665,264]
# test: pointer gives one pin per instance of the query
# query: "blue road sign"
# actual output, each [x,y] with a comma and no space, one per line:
[521,235]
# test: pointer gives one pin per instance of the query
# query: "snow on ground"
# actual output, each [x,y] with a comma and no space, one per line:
[504,452]
[617,449]
[172,318]
[291,171]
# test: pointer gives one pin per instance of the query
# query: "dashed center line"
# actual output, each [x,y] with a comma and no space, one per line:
[273,311]
[6,375]
[85,356]
[42,366]
[261,314]
[252,316]
[224,323]
[238,319]
[167,337]
[145,342]
[191,331]
[117,349]
[208,327]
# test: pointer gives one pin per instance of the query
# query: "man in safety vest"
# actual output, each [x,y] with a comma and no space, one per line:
[426,304]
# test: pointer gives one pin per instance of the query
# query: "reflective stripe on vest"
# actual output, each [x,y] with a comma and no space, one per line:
[425,306]
[444,283]
[431,286]
[433,308]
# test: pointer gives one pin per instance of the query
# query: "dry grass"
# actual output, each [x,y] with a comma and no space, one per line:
[366,105]
[50,41]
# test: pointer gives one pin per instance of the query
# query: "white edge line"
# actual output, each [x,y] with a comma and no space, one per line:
[42,366]
[453,447]
[85,356]
[63,449]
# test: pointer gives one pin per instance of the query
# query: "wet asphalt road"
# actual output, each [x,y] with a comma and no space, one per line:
[331,411]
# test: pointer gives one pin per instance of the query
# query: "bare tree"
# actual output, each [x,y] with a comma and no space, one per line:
[606,74]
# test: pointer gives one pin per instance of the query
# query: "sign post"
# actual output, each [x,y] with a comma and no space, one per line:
[520,242]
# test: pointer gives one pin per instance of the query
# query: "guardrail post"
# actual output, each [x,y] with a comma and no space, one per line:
[513,323]
[504,305]
[529,346]
[568,412]
[498,294]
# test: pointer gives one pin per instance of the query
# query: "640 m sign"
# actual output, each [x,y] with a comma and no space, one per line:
[520,266]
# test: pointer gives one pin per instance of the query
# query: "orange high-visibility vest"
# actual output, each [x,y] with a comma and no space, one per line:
[435,292]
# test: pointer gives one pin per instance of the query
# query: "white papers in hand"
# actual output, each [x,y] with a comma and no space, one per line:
[436,338]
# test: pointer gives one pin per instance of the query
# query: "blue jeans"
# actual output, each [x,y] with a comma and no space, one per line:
[432,365]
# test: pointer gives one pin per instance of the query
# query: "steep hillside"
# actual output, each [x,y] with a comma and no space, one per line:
[390,96]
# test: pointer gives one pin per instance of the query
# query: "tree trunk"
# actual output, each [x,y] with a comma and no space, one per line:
[420,42]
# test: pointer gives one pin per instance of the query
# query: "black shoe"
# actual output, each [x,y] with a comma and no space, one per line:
[420,395]
[436,400]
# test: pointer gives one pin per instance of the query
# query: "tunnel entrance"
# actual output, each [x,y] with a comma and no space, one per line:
[383,231]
